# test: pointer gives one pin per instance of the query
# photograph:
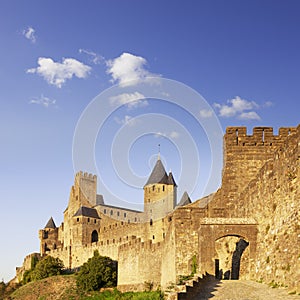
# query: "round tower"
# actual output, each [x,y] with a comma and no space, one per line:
[160,193]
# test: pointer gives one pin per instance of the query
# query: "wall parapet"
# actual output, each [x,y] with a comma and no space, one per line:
[261,136]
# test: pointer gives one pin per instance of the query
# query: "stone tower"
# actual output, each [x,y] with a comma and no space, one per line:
[49,237]
[160,193]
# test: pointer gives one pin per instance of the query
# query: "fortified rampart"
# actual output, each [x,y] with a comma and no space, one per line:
[244,156]
[248,229]
[272,199]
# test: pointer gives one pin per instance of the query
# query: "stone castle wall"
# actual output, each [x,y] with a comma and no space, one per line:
[258,202]
[272,199]
[244,156]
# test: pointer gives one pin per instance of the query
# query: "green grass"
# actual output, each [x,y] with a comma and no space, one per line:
[63,287]
[116,295]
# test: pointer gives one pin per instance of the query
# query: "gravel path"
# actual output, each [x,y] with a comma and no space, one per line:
[242,290]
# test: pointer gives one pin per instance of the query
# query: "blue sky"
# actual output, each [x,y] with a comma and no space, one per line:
[242,57]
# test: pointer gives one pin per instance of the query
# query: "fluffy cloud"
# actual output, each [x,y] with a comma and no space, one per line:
[94,57]
[251,115]
[132,100]
[129,69]
[127,120]
[56,73]
[171,135]
[29,34]
[240,108]
[206,113]
[44,101]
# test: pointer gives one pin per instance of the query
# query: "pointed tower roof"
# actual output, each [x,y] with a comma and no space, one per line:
[50,224]
[158,174]
[171,180]
[185,199]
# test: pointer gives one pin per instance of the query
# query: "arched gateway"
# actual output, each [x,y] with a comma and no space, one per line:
[227,248]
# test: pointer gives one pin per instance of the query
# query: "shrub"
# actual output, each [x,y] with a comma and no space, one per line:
[97,272]
[48,266]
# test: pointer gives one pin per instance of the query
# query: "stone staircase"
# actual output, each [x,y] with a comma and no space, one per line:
[192,287]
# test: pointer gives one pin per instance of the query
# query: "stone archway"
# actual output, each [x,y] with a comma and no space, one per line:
[228,257]
[94,236]
[215,255]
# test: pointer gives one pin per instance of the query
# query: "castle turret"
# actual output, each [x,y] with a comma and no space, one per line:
[160,193]
[49,237]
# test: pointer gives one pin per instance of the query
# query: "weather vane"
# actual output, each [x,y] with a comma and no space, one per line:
[158,151]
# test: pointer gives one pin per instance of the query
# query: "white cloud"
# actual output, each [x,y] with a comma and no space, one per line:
[268,104]
[251,115]
[206,113]
[129,69]
[44,101]
[29,34]
[238,107]
[171,135]
[94,57]
[174,135]
[56,73]
[127,120]
[132,100]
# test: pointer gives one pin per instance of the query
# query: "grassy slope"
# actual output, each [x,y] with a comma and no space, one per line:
[52,288]
[64,288]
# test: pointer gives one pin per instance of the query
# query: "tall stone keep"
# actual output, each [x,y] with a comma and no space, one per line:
[160,193]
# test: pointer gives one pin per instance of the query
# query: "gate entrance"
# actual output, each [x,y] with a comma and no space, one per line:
[228,253]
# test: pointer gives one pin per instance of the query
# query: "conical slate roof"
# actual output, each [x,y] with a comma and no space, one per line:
[185,199]
[158,174]
[171,180]
[50,224]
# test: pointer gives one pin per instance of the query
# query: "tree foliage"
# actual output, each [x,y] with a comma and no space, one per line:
[97,272]
[46,267]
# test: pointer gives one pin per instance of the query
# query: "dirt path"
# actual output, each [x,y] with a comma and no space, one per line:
[242,290]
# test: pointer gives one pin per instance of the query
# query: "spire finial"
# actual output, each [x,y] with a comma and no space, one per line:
[158,156]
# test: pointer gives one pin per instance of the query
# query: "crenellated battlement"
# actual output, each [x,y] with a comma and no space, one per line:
[85,175]
[261,136]
[87,184]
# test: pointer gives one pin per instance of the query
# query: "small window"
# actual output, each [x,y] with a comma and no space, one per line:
[118,214]
[124,215]
[128,221]
[111,212]
[76,197]
[163,188]
[88,219]
[135,219]
[95,221]
[151,222]
[105,211]
[77,219]
[153,237]
[153,187]
[164,235]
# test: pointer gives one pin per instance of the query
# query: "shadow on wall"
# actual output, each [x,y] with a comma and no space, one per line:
[234,273]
